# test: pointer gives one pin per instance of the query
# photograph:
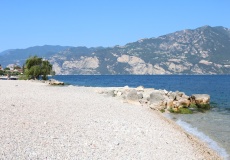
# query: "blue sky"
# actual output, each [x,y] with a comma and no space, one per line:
[92,23]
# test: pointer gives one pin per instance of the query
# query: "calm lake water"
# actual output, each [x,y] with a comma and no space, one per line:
[213,127]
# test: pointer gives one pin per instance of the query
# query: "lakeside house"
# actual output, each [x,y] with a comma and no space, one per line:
[10,73]
[12,69]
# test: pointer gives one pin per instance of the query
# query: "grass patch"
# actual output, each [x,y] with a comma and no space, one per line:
[185,111]
[171,110]
[204,106]
[199,107]
[193,105]
[181,111]
[22,77]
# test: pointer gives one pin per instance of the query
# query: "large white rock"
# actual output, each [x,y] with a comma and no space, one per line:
[140,89]
[201,98]
[132,95]
[157,100]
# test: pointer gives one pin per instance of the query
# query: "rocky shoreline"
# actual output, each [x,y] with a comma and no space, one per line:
[162,100]
[39,122]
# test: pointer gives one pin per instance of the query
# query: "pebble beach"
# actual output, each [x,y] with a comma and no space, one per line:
[39,121]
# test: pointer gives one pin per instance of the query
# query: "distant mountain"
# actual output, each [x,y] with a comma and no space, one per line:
[6,51]
[18,56]
[205,50]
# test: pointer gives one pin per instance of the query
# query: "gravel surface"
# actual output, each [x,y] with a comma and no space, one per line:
[39,121]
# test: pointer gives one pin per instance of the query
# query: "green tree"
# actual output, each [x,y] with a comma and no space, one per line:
[7,69]
[17,67]
[1,72]
[46,69]
[23,68]
[36,67]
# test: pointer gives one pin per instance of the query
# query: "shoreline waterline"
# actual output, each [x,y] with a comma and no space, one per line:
[211,127]
[58,98]
[215,123]
[205,138]
[192,130]
[195,135]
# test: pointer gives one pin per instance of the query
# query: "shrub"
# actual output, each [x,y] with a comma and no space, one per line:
[22,77]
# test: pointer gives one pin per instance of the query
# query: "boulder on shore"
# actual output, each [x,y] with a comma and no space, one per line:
[157,100]
[200,98]
[55,82]
[177,102]
[132,95]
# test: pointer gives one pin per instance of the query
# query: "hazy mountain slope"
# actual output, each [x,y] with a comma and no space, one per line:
[18,56]
[205,50]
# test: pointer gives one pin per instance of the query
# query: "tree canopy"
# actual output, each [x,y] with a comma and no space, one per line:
[36,67]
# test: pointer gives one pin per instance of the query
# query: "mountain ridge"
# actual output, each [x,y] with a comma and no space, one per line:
[204,50]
